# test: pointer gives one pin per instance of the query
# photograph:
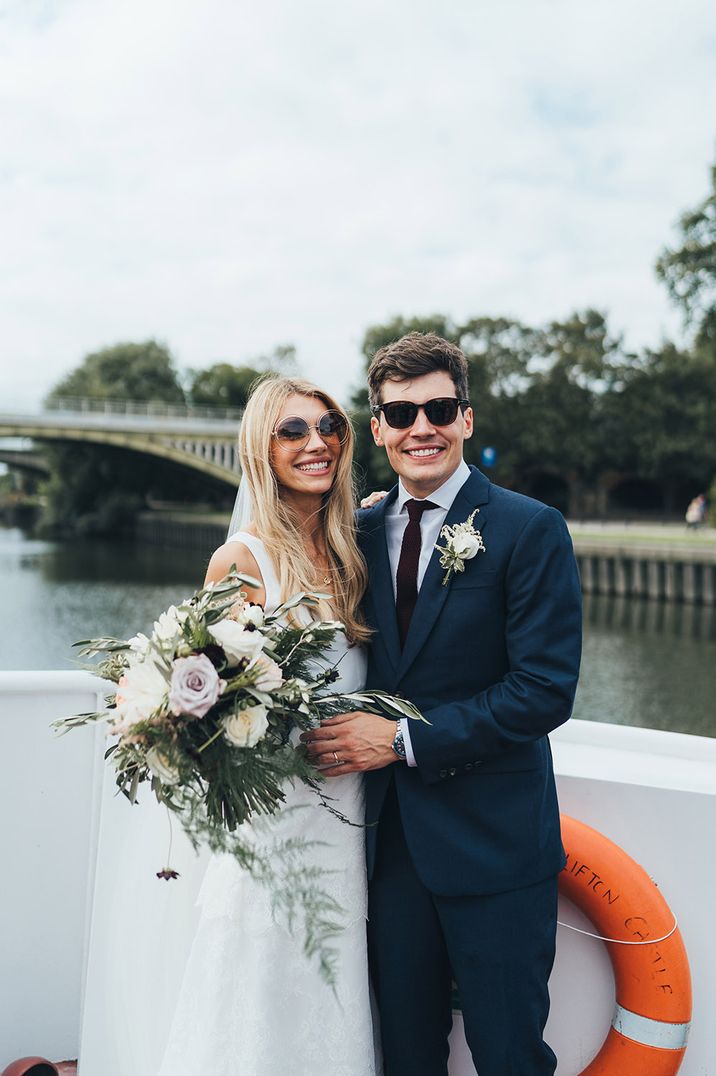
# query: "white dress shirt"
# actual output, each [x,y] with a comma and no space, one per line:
[396,520]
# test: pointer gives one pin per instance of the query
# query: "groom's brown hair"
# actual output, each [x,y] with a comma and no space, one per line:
[414,355]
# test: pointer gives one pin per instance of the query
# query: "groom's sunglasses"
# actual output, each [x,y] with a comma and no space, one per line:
[294,433]
[401,414]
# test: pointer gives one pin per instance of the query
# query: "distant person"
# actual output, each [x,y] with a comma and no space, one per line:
[696,512]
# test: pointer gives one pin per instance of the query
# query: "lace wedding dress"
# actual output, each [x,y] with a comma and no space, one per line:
[251,1002]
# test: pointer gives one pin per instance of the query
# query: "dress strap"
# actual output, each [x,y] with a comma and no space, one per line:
[266,568]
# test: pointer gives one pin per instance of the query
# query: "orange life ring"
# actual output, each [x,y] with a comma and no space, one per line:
[653,983]
[31,1066]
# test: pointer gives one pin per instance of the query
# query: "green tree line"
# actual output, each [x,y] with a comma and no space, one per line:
[576,419]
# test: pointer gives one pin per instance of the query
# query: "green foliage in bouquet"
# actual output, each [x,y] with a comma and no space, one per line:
[203,711]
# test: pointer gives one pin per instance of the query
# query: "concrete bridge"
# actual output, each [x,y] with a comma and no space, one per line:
[24,459]
[202,439]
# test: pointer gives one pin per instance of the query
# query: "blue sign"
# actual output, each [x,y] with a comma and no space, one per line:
[488,456]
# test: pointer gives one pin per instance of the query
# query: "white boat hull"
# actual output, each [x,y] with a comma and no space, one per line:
[653,793]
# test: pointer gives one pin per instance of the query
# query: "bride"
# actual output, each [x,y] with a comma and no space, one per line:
[252,1003]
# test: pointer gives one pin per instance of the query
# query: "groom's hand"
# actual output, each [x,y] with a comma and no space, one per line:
[351,743]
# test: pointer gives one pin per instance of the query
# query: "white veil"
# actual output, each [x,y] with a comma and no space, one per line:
[241,516]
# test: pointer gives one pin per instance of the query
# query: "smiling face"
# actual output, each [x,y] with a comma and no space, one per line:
[424,455]
[311,470]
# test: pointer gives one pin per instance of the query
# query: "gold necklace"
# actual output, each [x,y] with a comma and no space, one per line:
[326,579]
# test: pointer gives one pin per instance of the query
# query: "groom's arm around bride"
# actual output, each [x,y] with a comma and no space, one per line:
[464,858]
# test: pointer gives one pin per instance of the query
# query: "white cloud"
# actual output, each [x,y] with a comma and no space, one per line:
[227,177]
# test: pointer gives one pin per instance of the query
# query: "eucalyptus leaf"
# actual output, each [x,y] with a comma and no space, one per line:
[386,703]
[64,724]
[133,787]
[101,646]
[261,696]
[290,603]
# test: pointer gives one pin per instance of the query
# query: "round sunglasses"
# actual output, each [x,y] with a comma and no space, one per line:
[401,414]
[294,433]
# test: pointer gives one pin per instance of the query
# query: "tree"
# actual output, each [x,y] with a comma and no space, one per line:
[227,385]
[689,269]
[498,351]
[222,385]
[668,413]
[124,372]
[98,489]
[577,365]
[582,350]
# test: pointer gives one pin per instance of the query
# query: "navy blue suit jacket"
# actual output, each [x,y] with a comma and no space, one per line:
[491,660]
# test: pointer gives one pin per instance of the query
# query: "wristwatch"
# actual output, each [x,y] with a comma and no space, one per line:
[398,743]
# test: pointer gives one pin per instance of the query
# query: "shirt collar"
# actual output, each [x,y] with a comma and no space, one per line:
[444,495]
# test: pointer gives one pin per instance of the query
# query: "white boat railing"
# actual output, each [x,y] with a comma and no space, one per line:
[49,804]
[654,793]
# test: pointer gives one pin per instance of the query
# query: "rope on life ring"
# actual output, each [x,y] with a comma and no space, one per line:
[653,983]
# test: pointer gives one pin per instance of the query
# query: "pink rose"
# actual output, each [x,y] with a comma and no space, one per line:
[270,676]
[195,686]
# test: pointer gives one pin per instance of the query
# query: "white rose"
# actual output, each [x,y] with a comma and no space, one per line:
[466,546]
[169,624]
[161,767]
[236,641]
[246,727]
[270,676]
[141,690]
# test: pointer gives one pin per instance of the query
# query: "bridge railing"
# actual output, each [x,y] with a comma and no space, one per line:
[150,408]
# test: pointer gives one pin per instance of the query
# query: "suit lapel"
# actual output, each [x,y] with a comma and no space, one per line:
[433,595]
[381,584]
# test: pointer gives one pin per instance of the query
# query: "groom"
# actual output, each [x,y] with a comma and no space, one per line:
[464,850]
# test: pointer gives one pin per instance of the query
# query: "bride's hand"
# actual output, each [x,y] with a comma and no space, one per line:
[374,498]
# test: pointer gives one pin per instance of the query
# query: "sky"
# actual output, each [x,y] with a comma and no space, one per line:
[226,176]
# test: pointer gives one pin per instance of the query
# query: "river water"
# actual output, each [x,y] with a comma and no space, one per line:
[645,663]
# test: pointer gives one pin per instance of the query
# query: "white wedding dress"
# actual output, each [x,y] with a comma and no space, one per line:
[252,1003]
[196,977]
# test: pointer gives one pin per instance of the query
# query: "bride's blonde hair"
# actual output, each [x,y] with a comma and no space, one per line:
[277,524]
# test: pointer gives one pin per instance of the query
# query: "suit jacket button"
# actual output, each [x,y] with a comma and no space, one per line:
[443,773]
[453,771]
[468,766]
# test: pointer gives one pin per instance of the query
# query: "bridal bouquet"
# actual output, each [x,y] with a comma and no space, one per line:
[203,711]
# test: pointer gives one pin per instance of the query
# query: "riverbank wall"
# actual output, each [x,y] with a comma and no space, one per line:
[660,564]
[661,573]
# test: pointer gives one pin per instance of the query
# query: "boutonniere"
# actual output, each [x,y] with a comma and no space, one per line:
[462,542]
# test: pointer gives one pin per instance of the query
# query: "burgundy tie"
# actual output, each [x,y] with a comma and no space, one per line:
[407,575]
